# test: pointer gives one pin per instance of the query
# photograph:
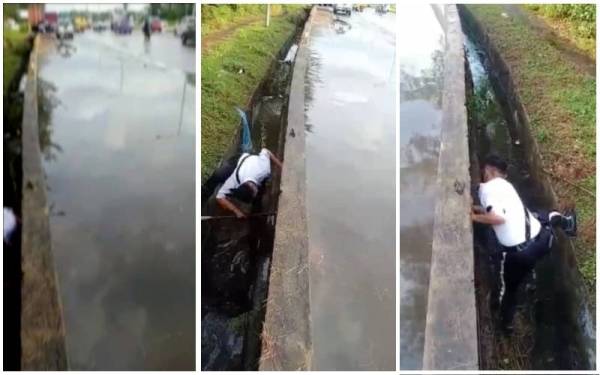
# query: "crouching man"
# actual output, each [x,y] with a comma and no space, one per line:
[242,179]
[525,237]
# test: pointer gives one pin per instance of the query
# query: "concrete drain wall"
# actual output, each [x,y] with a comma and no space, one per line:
[43,340]
[286,331]
[451,327]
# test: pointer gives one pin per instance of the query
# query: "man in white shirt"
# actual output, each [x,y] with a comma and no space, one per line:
[242,179]
[525,237]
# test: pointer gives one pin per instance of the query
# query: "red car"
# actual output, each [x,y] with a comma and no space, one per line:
[156,25]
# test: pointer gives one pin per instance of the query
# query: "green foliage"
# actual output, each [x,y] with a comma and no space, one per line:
[171,12]
[12,10]
[216,17]
[583,16]
[16,47]
[561,104]
[250,50]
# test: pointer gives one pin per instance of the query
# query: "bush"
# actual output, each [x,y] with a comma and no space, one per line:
[583,15]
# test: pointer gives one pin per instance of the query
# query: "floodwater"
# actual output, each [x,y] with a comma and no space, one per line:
[350,165]
[421,69]
[118,140]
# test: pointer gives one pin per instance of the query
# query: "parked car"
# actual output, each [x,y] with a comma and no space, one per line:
[184,24]
[342,8]
[188,37]
[65,30]
[156,25]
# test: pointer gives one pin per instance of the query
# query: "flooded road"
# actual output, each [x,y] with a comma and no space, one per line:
[117,119]
[350,165]
[421,70]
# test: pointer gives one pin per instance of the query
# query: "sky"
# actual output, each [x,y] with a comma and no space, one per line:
[92,7]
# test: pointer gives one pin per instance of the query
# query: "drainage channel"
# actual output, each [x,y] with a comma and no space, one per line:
[553,327]
[236,255]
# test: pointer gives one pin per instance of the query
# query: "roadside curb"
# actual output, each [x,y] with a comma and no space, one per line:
[43,341]
[286,335]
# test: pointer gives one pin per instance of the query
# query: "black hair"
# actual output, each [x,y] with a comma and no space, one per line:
[244,193]
[497,162]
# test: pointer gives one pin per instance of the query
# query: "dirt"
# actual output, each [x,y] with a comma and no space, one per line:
[580,60]
[210,40]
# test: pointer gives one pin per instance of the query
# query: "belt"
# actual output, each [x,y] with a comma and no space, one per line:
[523,245]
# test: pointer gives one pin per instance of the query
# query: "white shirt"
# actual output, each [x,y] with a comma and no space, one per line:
[501,198]
[255,168]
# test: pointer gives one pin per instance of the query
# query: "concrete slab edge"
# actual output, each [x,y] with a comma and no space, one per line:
[43,340]
[451,324]
[286,335]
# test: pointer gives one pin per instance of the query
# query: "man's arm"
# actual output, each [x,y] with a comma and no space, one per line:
[487,218]
[228,205]
[275,160]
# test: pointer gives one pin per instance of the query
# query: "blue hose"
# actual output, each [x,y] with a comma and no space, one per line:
[246,145]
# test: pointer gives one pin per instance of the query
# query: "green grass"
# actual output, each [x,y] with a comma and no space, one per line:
[16,46]
[216,17]
[251,49]
[561,103]
[576,22]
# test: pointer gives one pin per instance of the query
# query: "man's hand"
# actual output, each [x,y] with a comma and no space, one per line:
[478,209]
[228,205]
[275,160]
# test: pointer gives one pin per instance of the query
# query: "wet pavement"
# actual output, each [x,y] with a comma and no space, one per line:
[421,70]
[117,119]
[350,166]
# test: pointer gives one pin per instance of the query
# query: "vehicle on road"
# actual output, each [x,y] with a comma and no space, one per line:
[80,24]
[156,25]
[188,37]
[342,8]
[100,25]
[184,24]
[382,9]
[122,25]
[50,22]
[65,30]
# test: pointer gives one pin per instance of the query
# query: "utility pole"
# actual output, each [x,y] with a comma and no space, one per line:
[268,14]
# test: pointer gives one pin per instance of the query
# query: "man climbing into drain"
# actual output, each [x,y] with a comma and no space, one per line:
[242,176]
[243,179]
[525,236]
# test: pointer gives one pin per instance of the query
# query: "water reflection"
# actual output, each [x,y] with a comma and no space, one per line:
[350,152]
[421,88]
[122,200]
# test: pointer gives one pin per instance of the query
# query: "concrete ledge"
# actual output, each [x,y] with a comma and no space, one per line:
[42,327]
[451,327]
[286,338]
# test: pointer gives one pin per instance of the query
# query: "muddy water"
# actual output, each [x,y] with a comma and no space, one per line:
[421,66]
[350,165]
[118,141]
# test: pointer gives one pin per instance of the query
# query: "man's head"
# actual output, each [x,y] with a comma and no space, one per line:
[246,192]
[494,166]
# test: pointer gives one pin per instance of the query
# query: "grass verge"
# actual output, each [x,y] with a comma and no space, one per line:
[561,104]
[231,71]
[574,22]
[216,17]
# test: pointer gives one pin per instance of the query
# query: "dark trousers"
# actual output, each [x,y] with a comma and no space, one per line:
[218,177]
[517,265]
